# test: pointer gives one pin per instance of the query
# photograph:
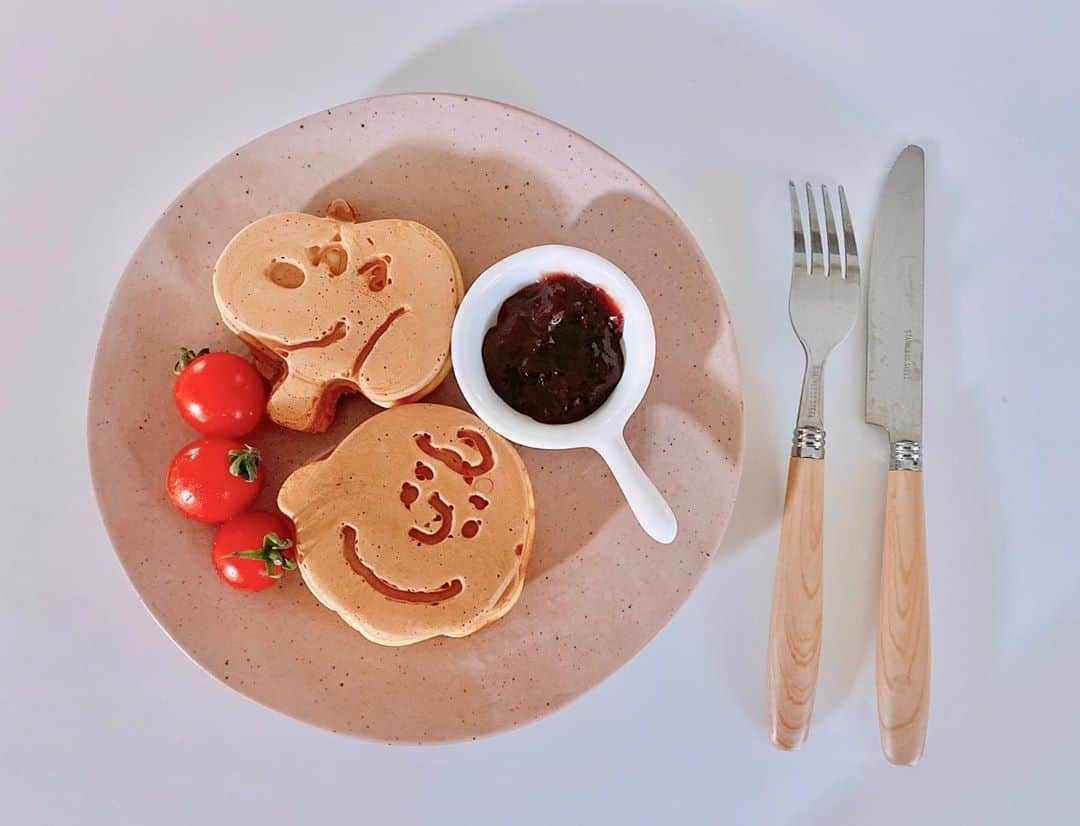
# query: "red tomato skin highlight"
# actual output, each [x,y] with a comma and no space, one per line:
[243,533]
[221,395]
[200,485]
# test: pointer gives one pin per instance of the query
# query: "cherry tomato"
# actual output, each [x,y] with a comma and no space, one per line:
[218,394]
[252,550]
[212,480]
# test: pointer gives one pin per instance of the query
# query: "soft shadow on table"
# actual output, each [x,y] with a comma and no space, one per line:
[690,319]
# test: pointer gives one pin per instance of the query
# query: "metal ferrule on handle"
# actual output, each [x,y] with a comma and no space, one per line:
[808,442]
[906,455]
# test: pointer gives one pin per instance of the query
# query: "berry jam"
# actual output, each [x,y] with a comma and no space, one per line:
[555,352]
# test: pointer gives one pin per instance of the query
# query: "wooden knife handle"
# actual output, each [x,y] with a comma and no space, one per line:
[795,623]
[903,647]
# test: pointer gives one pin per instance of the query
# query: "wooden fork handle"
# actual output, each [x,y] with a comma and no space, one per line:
[903,646]
[795,622]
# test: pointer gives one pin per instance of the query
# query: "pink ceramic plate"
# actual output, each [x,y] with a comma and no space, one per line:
[490,179]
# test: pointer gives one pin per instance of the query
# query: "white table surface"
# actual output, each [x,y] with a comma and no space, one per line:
[107,113]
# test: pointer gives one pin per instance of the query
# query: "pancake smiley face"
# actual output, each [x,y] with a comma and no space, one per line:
[329,305]
[419,524]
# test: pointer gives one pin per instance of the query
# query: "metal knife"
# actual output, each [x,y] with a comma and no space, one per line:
[894,390]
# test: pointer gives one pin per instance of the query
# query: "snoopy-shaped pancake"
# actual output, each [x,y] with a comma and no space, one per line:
[330,305]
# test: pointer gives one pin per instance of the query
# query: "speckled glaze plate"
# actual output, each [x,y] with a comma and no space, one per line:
[490,179]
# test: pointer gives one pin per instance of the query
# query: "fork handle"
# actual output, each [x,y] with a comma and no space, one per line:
[795,621]
[903,645]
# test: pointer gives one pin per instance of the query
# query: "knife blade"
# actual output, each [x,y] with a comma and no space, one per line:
[894,339]
[894,393]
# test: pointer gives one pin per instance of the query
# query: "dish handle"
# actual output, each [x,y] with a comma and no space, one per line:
[647,503]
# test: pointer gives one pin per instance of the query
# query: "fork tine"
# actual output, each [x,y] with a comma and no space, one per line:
[818,262]
[851,253]
[796,220]
[830,234]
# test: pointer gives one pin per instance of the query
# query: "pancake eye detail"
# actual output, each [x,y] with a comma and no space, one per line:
[285,274]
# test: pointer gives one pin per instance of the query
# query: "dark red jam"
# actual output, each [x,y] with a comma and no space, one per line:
[555,352]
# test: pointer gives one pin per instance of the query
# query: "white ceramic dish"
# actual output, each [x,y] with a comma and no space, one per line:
[602,430]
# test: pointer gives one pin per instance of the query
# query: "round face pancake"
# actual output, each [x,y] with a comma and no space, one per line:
[419,524]
[329,305]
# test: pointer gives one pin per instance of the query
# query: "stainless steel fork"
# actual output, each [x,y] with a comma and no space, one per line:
[823,301]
